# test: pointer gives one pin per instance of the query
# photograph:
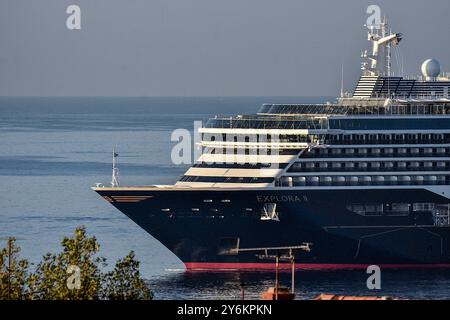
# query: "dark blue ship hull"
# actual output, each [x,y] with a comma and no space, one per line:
[200,226]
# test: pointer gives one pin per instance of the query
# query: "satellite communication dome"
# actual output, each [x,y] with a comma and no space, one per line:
[431,68]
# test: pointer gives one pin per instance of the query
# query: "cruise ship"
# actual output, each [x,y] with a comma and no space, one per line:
[362,181]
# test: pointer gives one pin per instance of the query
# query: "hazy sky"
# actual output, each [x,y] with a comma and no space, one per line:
[204,47]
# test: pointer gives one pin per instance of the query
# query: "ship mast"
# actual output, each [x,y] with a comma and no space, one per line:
[378,62]
[115,170]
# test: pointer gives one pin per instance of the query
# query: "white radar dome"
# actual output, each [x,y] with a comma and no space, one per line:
[431,68]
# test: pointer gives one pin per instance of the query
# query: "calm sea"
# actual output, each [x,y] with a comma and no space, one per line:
[52,150]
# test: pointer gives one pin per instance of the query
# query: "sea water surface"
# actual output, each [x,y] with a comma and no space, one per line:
[52,150]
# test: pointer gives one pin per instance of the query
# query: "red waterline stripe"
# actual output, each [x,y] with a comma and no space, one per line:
[213,266]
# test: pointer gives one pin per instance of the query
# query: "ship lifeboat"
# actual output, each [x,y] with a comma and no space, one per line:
[340,181]
[388,151]
[353,181]
[431,180]
[367,180]
[314,181]
[326,181]
[418,180]
[299,181]
[392,180]
[379,180]
[405,180]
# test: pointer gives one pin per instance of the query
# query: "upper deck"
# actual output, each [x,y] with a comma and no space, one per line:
[346,114]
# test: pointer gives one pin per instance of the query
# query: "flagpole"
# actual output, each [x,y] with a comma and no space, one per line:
[113,159]
[115,171]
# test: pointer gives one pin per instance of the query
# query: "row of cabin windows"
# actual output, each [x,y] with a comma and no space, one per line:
[226,179]
[324,166]
[219,165]
[367,138]
[378,180]
[252,151]
[393,138]
[225,137]
[400,109]
[378,152]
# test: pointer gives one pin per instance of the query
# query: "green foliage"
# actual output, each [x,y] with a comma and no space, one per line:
[13,272]
[125,282]
[52,276]
[55,277]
